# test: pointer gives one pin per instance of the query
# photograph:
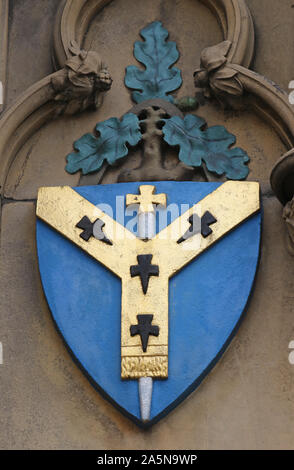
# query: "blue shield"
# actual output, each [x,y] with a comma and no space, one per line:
[207,300]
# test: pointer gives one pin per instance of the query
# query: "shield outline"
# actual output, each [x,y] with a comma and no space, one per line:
[170,188]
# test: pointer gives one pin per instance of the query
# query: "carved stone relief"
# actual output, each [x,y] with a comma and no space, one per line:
[82,82]
[222,76]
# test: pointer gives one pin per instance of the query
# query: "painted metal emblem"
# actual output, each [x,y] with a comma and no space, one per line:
[159,306]
[148,282]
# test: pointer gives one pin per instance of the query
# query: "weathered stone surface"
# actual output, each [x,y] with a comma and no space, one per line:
[247,401]
[274,23]
[41,161]
[32,397]
[30,44]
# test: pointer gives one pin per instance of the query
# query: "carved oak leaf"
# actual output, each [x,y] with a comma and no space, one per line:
[212,145]
[215,76]
[110,145]
[158,55]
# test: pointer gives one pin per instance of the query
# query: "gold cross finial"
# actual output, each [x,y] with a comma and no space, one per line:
[146,198]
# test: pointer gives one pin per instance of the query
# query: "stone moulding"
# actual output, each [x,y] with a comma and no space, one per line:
[282,177]
[38,105]
[282,182]
[3,49]
[33,109]
[232,84]
[72,22]
[234,17]
[236,22]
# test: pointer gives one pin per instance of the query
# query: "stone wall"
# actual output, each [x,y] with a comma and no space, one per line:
[247,401]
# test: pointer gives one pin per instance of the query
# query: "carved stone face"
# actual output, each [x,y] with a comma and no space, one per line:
[103,80]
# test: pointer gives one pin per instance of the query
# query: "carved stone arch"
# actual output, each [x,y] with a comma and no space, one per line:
[38,105]
[237,25]
[234,17]
[253,378]
[261,94]
[3,49]
[72,22]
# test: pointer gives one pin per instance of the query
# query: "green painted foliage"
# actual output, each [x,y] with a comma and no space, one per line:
[158,55]
[114,134]
[212,146]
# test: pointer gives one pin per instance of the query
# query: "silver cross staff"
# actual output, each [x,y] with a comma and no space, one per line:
[146,231]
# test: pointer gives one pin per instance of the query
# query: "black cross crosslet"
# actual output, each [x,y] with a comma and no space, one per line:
[144,269]
[88,230]
[199,225]
[144,329]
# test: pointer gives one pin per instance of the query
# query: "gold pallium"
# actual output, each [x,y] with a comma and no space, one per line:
[62,208]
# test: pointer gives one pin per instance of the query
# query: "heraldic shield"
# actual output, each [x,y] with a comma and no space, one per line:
[148,282]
